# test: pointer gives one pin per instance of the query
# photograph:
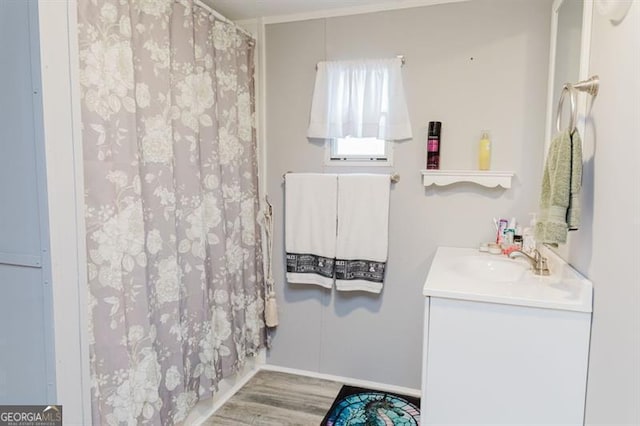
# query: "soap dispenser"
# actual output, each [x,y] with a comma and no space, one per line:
[484,151]
[528,235]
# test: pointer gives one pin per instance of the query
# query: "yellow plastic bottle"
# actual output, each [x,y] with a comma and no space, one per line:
[484,151]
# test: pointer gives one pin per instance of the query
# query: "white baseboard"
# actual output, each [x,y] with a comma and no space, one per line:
[346,380]
[226,389]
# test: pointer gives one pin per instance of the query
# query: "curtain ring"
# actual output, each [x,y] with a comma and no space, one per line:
[572,116]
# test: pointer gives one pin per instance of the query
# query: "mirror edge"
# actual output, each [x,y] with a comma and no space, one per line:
[563,250]
[585,49]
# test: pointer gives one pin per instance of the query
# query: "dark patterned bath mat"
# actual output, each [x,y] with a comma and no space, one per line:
[359,407]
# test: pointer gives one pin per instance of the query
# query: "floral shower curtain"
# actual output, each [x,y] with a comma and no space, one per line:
[175,278]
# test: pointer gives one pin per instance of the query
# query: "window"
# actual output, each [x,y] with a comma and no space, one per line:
[361,99]
[358,152]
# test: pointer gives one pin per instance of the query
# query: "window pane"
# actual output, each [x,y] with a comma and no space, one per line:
[359,147]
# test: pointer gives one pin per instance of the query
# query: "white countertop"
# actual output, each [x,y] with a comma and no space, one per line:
[564,289]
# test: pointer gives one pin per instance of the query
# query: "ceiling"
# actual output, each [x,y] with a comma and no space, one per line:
[237,10]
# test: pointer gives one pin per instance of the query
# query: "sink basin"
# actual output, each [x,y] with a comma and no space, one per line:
[491,269]
[467,274]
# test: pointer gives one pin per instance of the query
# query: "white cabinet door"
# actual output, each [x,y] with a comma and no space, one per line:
[494,364]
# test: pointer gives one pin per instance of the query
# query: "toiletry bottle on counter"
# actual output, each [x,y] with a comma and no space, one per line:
[502,227]
[517,238]
[484,151]
[509,233]
[433,145]
[528,235]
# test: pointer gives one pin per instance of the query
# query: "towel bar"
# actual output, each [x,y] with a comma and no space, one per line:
[394,178]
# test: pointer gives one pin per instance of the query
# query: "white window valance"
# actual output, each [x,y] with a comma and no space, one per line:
[359,99]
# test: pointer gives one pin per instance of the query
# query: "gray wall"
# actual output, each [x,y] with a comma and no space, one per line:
[611,196]
[473,65]
[26,348]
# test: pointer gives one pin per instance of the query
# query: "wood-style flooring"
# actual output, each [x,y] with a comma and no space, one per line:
[277,399]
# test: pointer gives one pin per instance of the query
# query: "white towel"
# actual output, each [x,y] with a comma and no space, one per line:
[310,227]
[363,232]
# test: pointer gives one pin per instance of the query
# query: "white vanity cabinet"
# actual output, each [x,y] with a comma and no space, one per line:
[503,352]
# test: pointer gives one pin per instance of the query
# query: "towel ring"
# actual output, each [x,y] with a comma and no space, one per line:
[567,88]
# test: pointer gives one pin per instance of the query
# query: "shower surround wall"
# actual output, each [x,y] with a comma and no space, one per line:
[473,66]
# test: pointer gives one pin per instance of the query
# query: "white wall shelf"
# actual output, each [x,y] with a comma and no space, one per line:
[488,178]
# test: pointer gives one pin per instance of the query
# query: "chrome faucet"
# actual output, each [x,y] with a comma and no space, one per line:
[537,261]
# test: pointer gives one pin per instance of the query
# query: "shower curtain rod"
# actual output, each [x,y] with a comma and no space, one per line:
[223,18]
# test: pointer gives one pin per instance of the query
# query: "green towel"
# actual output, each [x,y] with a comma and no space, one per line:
[560,197]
